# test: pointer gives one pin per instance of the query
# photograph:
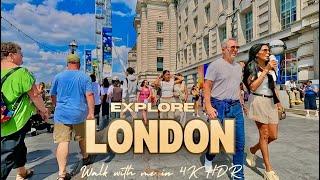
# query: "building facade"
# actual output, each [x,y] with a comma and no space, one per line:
[132,58]
[204,24]
[192,32]
[156,28]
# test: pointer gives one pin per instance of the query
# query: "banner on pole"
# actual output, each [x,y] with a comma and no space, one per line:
[88,61]
[106,51]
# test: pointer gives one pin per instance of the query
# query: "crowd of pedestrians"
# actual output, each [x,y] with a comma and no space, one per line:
[76,97]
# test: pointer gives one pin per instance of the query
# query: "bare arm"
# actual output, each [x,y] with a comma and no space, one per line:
[157,81]
[54,100]
[277,94]
[179,79]
[186,93]
[212,113]
[90,101]
[38,101]
[256,83]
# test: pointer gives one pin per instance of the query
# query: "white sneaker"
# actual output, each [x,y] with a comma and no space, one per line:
[307,115]
[316,114]
[251,158]
[198,115]
[271,175]
[207,164]
[193,114]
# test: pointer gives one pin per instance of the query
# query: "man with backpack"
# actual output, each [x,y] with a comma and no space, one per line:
[129,93]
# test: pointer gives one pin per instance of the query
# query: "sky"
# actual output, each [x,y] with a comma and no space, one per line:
[52,24]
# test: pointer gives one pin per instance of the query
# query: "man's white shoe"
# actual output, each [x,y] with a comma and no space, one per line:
[271,175]
[251,158]
[207,164]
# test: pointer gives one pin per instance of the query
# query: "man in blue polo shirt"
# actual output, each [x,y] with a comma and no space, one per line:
[72,97]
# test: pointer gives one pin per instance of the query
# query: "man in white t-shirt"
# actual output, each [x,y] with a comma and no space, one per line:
[293,92]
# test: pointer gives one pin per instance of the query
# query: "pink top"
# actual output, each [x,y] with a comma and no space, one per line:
[144,94]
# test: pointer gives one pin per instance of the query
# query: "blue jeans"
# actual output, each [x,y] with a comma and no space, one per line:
[310,101]
[232,109]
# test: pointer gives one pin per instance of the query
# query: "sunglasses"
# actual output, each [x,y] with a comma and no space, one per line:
[234,47]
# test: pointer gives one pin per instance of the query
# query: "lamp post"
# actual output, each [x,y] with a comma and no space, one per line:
[73,46]
[277,48]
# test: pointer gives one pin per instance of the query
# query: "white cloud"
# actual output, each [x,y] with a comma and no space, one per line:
[120,57]
[50,27]
[46,24]
[131,4]
[119,13]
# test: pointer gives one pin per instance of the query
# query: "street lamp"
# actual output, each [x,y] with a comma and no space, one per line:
[73,46]
[277,48]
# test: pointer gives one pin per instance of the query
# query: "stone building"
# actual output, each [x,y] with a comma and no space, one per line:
[156,28]
[185,35]
[132,58]
[204,24]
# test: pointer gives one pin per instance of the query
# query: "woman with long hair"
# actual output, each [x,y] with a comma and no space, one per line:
[105,103]
[166,83]
[196,96]
[259,77]
[144,96]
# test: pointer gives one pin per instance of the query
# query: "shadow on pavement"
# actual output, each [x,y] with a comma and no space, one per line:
[49,167]
[37,155]
[259,164]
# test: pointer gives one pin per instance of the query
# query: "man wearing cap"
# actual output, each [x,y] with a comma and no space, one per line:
[72,96]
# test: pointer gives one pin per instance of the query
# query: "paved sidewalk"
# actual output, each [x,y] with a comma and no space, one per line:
[295,155]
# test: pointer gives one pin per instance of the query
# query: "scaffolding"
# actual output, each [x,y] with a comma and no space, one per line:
[102,19]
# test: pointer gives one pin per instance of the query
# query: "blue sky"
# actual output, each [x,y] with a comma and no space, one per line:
[55,23]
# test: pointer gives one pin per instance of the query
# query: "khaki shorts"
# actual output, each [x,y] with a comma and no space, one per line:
[63,132]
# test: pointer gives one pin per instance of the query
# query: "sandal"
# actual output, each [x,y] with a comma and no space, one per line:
[29,173]
[67,176]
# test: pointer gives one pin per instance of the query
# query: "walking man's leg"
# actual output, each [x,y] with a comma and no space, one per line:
[62,135]
[62,157]
[238,157]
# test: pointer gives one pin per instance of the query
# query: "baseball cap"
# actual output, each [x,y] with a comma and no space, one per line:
[73,58]
[115,78]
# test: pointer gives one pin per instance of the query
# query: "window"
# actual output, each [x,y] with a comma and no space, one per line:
[159,26]
[223,33]
[224,4]
[186,11]
[287,12]
[195,2]
[206,44]
[207,11]
[248,30]
[179,36]
[159,63]
[195,21]
[194,50]
[187,29]
[185,55]
[179,19]
[159,43]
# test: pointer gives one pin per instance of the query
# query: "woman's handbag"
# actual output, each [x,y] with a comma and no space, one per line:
[282,114]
